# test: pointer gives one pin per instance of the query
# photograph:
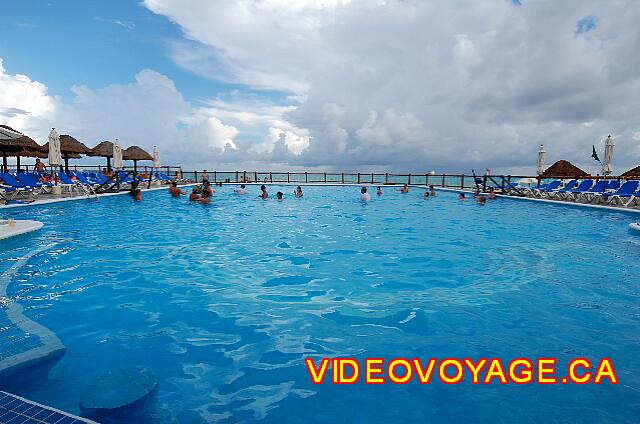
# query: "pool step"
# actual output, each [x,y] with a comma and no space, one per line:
[16,409]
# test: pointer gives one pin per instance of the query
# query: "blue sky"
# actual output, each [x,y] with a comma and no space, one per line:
[96,43]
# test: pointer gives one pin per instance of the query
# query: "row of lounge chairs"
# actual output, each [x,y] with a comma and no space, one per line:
[610,192]
[26,184]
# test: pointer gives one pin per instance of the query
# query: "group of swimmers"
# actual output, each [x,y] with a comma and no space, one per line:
[202,193]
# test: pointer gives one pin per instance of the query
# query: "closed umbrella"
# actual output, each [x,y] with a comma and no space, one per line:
[55,156]
[117,155]
[541,155]
[156,157]
[608,156]
[70,149]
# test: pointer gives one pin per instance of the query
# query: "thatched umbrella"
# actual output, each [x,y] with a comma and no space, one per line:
[71,148]
[105,150]
[12,141]
[632,173]
[135,154]
[564,169]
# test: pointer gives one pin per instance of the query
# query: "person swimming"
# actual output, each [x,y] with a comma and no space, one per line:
[195,194]
[280,196]
[240,190]
[427,194]
[174,190]
[432,190]
[379,192]
[461,196]
[263,192]
[482,200]
[205,198]
[364,196]
[298,192]
[405,188]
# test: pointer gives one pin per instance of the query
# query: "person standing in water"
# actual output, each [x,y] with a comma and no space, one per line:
[364,196]
[298,192]
[174,190]
[205,198]
[405,188]
[240,190]
[263,192]
[379,192]
[195,194]
[432,191]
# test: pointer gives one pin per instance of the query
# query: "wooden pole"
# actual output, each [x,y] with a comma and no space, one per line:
[17,163]
[5,165]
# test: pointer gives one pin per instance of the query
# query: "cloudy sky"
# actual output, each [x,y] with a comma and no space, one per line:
[397,85]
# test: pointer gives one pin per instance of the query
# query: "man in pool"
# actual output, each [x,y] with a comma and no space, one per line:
[461,196]
[263,192]
[405,188]
[205,176]
[280,196]
[426,194]
[298,192]
[379,192]
[492,193]
[135,192]
[432,190]
[206,186]
[174,190]
[240,190]
[364,196]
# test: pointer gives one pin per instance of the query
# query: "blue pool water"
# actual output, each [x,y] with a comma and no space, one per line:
[224,302]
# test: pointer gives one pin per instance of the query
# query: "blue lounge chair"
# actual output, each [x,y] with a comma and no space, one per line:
[556,193]
[32,180]
[9,184]
[627,190]
[634,199]
[571,194]
[553,186]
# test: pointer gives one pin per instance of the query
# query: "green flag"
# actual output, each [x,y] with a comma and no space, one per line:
[595,154]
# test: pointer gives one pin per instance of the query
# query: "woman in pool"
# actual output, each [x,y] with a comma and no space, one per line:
[298,192]
[364,196]
[195,194]
[379,192]
[263,192]
[280,196]
[432,190]
[174,190]
[205,198]
[135,192]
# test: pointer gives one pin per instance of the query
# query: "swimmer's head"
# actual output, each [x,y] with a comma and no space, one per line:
[242,186]
[363,190]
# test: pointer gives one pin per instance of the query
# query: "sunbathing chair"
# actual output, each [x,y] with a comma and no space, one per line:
[557,194]
[32,180]
[634,200]
[11,185]
[553,186]
[571,194]
[627,190]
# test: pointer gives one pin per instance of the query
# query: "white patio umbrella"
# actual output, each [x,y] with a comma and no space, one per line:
[608,156]
[156,157]
[55,155]
[541,155]
[117,155]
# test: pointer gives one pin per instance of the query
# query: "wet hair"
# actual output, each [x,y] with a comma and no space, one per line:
[431,186]
[242,185]
[461,195]
[263,187]
[299,188]
[279,195]
[133,192]
[174,184]
[363,190]
[196,189]
[426,194]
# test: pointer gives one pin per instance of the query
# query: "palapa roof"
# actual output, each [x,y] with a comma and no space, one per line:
[24,142]
[136,153]
[29,154]
[69,144]
[104,149]
[563,169]
[635,172]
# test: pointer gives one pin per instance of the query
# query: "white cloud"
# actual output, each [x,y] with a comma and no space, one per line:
[414,85]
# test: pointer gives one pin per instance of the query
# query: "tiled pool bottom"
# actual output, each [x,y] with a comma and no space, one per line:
[17,410]
[224,302]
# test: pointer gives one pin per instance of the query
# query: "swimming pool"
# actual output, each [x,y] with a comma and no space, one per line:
[224,301]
